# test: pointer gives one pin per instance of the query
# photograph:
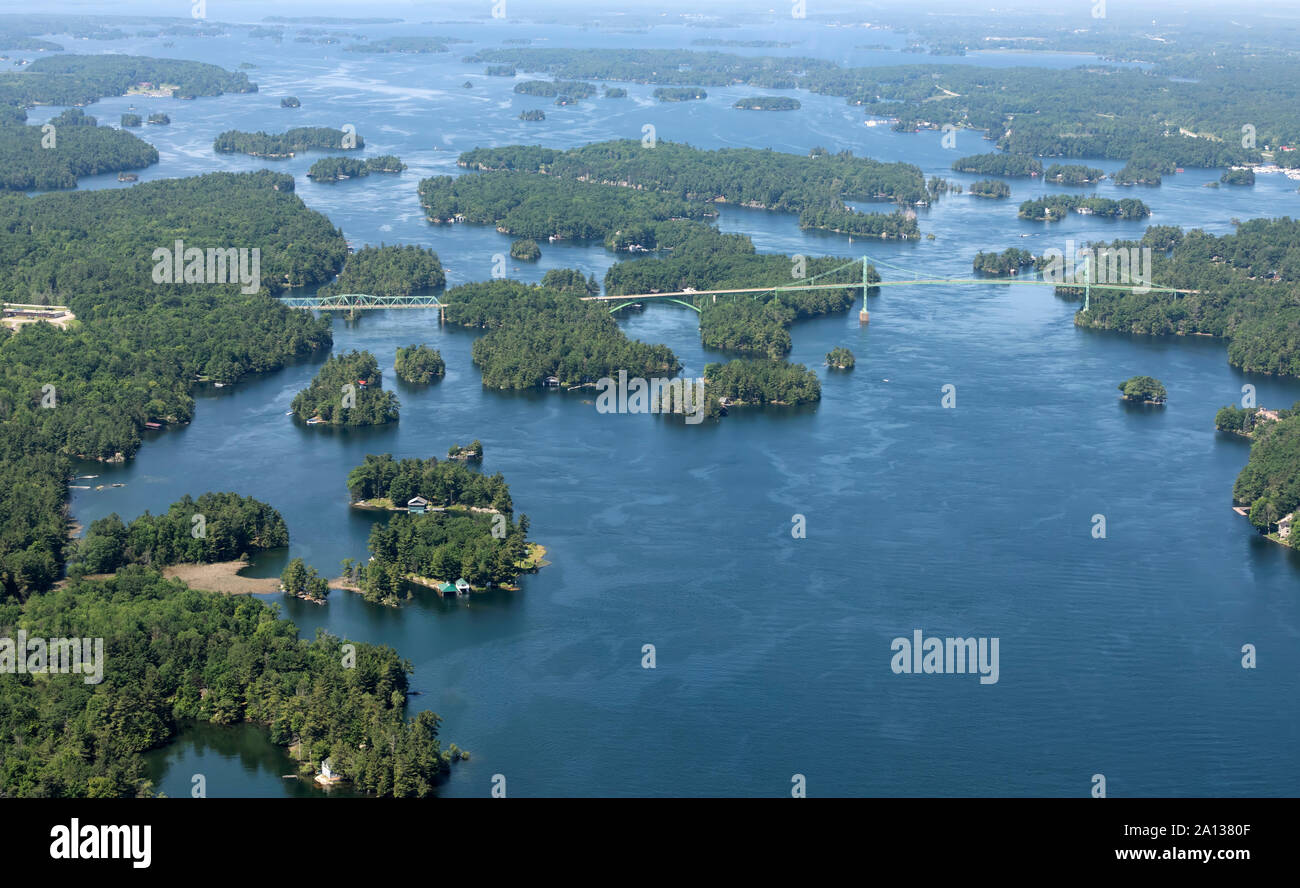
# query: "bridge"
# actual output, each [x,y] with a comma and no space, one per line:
[354,302]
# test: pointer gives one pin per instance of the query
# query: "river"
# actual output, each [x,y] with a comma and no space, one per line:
[1118,656]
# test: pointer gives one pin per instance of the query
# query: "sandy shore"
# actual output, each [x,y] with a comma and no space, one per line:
[221,577]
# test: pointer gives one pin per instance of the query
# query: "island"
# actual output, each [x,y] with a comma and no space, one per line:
[290,102]
[532,115]
[79,147]
[525,250]
[472,452]
[990,188]
[1144,389]
[768,103]
[288,143]
[840,358]
[419,365]
[679,94]
[500,71]
[1054,207]
[1008,262]
[996,164]
[1238,176]
[302,582]
[158,119]
[615,92]
[348,391]
[453,530]
[1073,174]
[1265,490]
[1137,173]
[389,271]
[131,120]
[571,89]
[337,169]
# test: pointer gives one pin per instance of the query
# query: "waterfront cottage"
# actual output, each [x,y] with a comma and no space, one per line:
[1284,526]
[417,505]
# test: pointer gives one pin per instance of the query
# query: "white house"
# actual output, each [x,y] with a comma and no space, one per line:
[1284,526]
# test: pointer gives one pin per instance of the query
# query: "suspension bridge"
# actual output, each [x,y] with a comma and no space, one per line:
[866,281]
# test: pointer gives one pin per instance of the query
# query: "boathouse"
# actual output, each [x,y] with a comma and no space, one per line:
[417,505]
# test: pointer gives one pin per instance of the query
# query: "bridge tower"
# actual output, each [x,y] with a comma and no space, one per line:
[864,316]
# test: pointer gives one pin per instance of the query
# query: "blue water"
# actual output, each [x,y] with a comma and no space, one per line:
[1119,656]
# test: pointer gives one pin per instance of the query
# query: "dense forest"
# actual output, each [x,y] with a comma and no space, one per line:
[137,347]
[32,159]
[419,364]
[843,220]
[418,45]
[764,179]
[442,547]
[388,271]
[679,94]
[1073,174]
[443,483]
[572,89]
[570,280]
[1144,389]
[535,333]
[215,527]
[757,382]
[1009,261]
[172,653]
[1245,282]
[768,103]
[1242,176]
[334,169]
[1137,173]
[288,143]
[995,164]
[84,79]
[1269,485]
[1054,207]
[347,391]
[990,188]
[544,206]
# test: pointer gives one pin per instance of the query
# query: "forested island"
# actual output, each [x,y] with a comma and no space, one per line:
[525,250]
[158,119]
[990,188]
[1054,207]
[744,382]
[679,94]
[336,169]
[534,333]
[615,92]
[1073,174]
[419,364]
[1143,389]
[535,114]
[546,206]
[768,103]
[1008,262]
[761,179]
[348,391]
[132,120]
[1238,176]
[997,164]
[388,271]
[572,89]
[31,159]
[290,102]
[288,143]
[419,45]
[844,220]
[1135,173]
[840,358]
[463,529]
